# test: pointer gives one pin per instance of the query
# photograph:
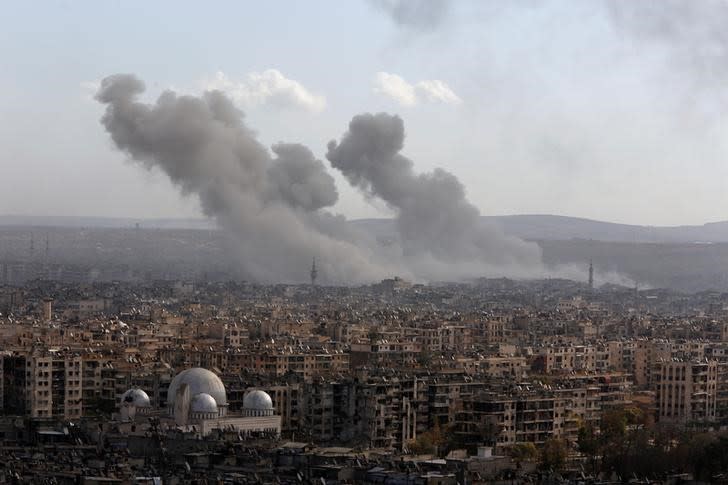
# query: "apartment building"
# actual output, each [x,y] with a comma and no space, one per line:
[686,391]
[46,385]
[568,358]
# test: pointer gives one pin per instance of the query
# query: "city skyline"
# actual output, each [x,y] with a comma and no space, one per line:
[369,241]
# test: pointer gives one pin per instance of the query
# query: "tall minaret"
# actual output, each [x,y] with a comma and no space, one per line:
[591,275]
[31,251]
[314,272]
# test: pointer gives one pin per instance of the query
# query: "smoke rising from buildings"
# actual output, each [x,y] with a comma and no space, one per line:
[275,204]
[296,177]
[434,217]
[272,205]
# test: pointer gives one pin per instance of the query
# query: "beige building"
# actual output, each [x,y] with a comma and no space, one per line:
[47,385]
[569,358]
[686,391]
[504,366]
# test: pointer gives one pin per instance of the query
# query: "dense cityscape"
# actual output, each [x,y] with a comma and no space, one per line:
[377,242]
[493,381]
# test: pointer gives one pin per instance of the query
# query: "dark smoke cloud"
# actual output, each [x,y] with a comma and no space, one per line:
[434,217]
[415,14]
[271,205]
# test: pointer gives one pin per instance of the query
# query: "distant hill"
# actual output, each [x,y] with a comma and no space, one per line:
[561,228]
[688,258]
[550,227]
[528,226]
[105,222]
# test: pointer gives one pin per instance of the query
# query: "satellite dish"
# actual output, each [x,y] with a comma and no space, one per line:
[182,405]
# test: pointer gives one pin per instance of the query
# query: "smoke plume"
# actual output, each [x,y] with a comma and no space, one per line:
[273,205]
[434,217]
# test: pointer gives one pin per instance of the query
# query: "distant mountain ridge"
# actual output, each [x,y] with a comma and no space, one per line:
[551,227]
[546,227]
[527,226]
[659,257]
[106,222]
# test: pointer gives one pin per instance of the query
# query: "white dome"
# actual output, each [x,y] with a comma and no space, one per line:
[203,403]
[257,400]
[135,397]
[199,381]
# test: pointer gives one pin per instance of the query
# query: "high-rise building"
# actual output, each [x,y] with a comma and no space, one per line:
[686,391]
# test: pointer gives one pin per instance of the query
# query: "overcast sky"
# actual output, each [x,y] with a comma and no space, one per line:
[612,110]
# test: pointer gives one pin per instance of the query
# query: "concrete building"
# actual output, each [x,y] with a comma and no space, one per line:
[46,385]
[686,391]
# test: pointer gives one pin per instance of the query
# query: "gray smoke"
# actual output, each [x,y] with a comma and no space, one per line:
[273,206]
[415,14]
[434,218]
[693,32]
[299,179]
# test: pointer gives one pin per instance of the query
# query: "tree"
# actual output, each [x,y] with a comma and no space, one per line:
[429,442]
[714,459]
[588,443]
[422,445]
[613,429]
[554,453]
[613,426]
[523,452]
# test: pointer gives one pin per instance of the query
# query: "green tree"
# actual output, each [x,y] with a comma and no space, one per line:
[714,459]
[523,452]
[613,426]
[588,444]
[613,429]
[554,453]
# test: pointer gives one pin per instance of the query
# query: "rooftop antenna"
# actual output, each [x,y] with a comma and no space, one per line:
[314,272]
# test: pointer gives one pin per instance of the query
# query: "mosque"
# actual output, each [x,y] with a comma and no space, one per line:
[197,402]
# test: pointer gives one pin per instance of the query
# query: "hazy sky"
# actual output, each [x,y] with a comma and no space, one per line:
[611,110]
